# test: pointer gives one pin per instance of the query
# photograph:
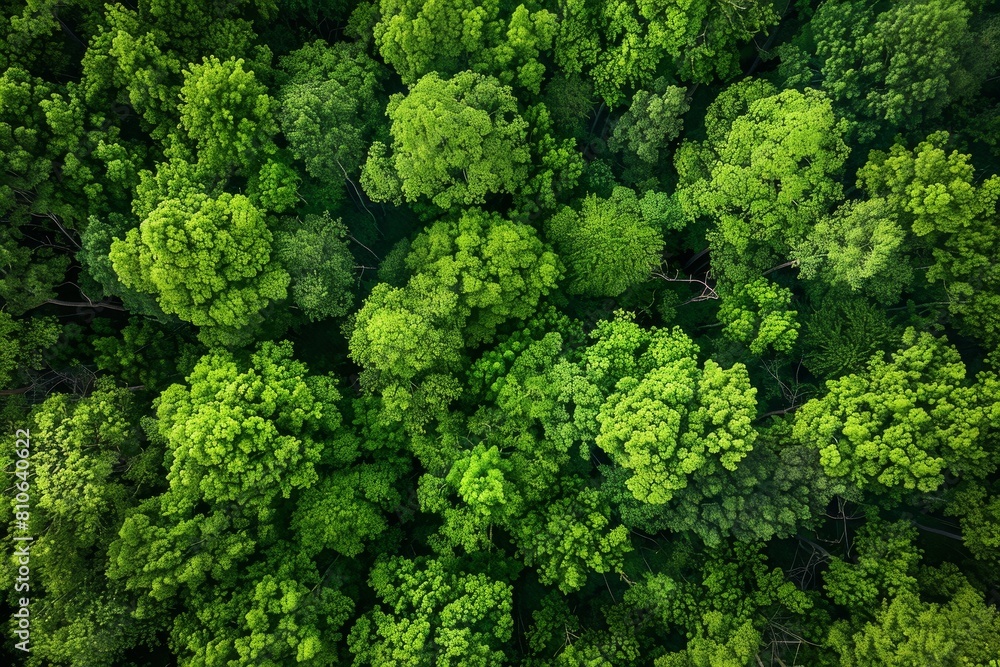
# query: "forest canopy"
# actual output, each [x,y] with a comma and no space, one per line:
[555,333]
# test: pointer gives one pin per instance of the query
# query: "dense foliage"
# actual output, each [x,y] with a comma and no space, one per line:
[561,333]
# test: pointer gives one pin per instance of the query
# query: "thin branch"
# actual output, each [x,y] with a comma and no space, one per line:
[814,546]
[792,263]
[85,304]
[772,413]
[938,531]
[55,219]
[707,292]
[357,193]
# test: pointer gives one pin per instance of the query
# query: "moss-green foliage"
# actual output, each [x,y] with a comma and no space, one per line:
[320,265]
[899,65]
[758,315]
[452,333]
[609,245]
[842,335]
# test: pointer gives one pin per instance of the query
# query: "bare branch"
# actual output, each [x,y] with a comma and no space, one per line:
[707,289]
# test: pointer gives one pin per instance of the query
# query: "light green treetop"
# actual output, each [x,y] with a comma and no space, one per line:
[434,614]
[904,423]
[206,259]
[227,115]
[239,432]
[667,418]
[455,141]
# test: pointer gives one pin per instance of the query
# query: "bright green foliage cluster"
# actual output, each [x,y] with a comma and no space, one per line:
[81,488]
[557,333]
[934,193]
[204,258]
[667,419]
[861,246]
[416,38]
[236,434]
[768,176]
[436,615]
[904,423]
[757,315]
[979,515]
[225,113]
[499,269]
[886,562]
[455,141]
[469,277]
[570,539]
[907,630]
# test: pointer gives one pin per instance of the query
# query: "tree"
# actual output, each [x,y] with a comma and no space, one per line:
[226,115]
[147,353]
[499,268]
[82,485]
[33,257]
[843,333]
[517,60]
[281,610]
[934,194]
[417,38]
[320,266]
[734,102]
[694,41]
[321,125]
[907,630]
[899,66]
[400,333]
[769,177]
[668,419]
[977,507]
[455,141]
[240,432]
[757,315]
[884,566]
[609,245]
[861,246]
[205,259]
[131,62]
[469,276]
[436,614]
[330,109]
[240,435]
[557,168]
[537,404]
[774,492]
[22,347]
[717,600]
[904,423]
[569,539]
[523,476]
[345,509]
[652,122]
